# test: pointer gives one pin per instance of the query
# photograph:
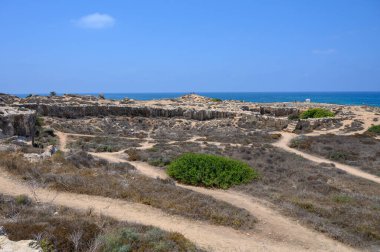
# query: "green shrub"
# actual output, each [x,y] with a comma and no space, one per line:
[210,170]
[216,99]
[374,129]
[39,121]
[316,113]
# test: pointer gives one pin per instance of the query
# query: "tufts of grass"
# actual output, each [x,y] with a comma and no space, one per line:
[22,200]
[210,170]
[316,113]
[342,198]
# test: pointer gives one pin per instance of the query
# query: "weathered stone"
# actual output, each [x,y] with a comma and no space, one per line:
[17,121]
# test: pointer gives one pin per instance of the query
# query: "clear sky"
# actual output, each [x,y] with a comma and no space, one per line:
[189,45]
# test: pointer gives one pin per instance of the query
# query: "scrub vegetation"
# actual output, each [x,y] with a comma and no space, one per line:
[210,170]
[316,113]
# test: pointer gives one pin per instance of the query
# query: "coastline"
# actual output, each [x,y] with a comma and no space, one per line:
[338,98]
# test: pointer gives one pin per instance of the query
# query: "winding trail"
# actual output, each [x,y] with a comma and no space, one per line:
[273,232]
[285,139]
[272,227]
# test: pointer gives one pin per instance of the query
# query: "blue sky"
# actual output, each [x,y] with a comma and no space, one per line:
[189,45]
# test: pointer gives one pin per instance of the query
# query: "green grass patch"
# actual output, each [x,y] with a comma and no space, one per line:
[374,129]
[210,170]
[316,113]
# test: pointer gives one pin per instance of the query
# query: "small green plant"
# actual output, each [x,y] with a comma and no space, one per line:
[210,170]
[216,100]
[53,93]
[22,200]
[374,129]
[338,155]
[316,113]
[39,121]
[342,199]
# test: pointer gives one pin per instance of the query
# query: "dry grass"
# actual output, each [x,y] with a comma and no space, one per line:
[361,151]
[101,144]
[342,206]
[62,229]
[80,173]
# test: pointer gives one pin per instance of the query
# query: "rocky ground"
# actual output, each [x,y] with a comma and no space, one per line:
[314,191]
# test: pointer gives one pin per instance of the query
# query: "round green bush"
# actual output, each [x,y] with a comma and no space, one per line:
[316,113]
[374,129]
[210,170]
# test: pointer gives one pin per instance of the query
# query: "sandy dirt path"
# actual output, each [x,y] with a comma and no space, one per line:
[284,141]
[272,227]
[148,143]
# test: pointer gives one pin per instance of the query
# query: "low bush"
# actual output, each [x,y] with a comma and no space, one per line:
[374,129]
[210,170]
[22,200]
[39,121]
[316,113]
[216,100]
[145,239]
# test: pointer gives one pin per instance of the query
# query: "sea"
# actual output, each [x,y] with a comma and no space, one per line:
[343,98]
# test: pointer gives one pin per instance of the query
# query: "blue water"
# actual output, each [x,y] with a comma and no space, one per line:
[345,98]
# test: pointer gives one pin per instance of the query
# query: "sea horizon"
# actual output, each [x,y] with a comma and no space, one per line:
[368,98]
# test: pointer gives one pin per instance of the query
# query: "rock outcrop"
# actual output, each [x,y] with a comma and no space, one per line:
[99,110]
[17,121]
[6,99]
[195,107]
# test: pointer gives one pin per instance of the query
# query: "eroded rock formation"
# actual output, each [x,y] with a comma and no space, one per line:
[17,121]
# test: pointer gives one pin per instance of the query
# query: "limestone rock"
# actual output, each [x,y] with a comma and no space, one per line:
[16,121]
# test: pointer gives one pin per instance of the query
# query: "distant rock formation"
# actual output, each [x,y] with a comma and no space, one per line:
[192,106]
[17,121]
[79,111]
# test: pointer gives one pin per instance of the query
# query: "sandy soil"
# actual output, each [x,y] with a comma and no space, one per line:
[7,245]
